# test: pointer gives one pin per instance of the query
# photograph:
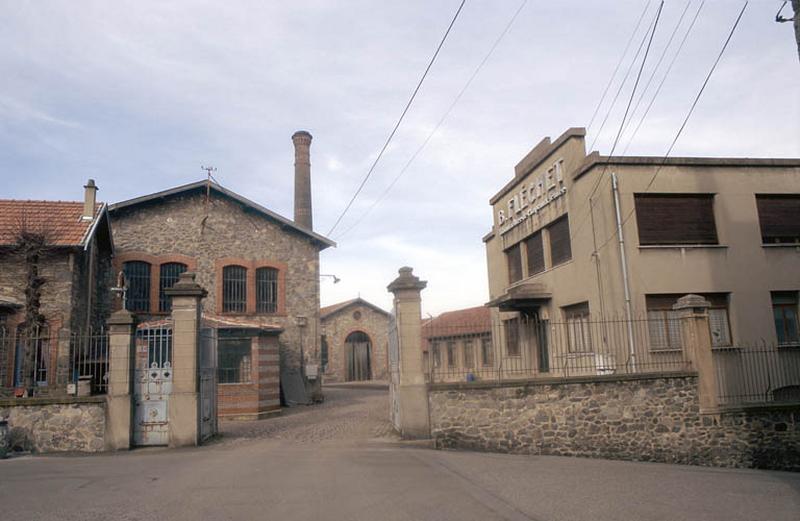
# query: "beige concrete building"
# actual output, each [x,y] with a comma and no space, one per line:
[354,341]
[725,228]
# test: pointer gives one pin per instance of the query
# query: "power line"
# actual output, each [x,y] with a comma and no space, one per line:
[400,120]
[439,124]
[685,120]
[619,63]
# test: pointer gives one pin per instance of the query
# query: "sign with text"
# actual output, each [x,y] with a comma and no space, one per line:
[530,198]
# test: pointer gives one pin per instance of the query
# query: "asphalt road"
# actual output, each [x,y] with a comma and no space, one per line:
[341,461]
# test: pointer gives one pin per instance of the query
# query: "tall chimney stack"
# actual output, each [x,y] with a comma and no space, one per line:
[302,179]
[89,200]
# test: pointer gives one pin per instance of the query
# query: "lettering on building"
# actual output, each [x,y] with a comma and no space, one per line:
[530,198]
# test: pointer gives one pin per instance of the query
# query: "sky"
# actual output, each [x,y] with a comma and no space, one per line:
[140,94]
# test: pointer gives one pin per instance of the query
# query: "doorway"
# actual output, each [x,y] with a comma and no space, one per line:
[357,347]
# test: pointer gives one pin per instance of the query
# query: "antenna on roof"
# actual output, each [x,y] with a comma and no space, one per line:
[208,170]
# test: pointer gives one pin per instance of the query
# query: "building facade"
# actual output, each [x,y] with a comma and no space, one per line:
[354,341]
[457,345]
[55,271]
[727,229]
[261,271]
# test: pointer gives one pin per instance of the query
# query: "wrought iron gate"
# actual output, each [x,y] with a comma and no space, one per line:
[152,386]
[208,383]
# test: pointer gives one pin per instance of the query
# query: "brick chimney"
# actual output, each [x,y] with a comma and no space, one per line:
[302,178]
[89,200]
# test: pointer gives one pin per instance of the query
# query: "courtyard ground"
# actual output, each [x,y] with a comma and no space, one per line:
[340,460]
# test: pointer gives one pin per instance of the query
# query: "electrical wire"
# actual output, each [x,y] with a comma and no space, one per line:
[400,120]
[440,122]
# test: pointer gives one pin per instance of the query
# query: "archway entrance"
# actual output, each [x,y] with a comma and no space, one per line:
[357,347]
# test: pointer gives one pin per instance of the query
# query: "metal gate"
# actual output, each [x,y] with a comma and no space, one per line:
[208,383]
[394,372]
[152,386]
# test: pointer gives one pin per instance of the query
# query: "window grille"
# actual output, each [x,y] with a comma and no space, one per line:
[560,246]
[266,290]
[158,342]
[779,217]
[235,360]
[137,277]
[665,219]
[234,289]
[169,274]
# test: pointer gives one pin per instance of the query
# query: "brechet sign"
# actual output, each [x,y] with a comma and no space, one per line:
[530,198]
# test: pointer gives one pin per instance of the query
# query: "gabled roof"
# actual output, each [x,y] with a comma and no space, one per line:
[460,322]
[60,221]
[328,311]
[322,241]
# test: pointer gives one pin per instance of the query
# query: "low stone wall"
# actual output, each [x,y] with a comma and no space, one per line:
[639,418]
[55,425]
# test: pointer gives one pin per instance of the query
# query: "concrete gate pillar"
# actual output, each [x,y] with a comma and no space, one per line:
[184,401]
[119,404]
[696,336]
[412,390]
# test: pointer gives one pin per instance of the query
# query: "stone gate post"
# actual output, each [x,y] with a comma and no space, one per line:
[412,391]
[696,336]
[119,402]
[184,402]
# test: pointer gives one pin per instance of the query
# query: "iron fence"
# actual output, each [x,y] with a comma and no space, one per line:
[89,360]
[757,374]
[26,353]
[526,347]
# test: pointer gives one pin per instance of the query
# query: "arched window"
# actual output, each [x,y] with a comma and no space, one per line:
[266,290]
[137,277]
[168,276]
[234,289]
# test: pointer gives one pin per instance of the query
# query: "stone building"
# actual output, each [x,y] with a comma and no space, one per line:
[724,228]
[458,343]
[354,341]
[261,271]
[55,271]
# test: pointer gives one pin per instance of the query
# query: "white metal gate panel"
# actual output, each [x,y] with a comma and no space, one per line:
[152,387]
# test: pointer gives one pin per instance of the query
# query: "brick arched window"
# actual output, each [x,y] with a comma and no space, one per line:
[137,277]
[234,289]
[266,290]
[168,276]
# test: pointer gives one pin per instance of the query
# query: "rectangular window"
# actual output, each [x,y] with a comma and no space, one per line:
[436,354]
[487,358]
[512,337]
[674,219]
[137,280]
[560,246]
[234,359]
[266,290]
[784,310]
[779,217]
[535,250]
[664,326]
[514,258]
[579,334]
[234,289]
[169,273]
[469,353]
[451,354]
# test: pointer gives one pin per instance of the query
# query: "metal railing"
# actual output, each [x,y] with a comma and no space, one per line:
[523,347]
[757,374]
[89,360]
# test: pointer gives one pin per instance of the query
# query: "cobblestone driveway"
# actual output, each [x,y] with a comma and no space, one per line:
[348,416]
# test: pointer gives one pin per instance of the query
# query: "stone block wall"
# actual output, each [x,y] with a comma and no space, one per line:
[339,325]
[639,418]
[55,425]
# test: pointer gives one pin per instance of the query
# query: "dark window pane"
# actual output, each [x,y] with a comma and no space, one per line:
[535,254]
[266,290]
[665,219]
[168,276]
[137,277]
[560,246]
[512,337]
[234,289]
[779,216]
[486,351]
[785,311]
[514,258]
[234,360]
[451,354]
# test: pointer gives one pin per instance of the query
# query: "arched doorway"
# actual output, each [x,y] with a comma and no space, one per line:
[357,347]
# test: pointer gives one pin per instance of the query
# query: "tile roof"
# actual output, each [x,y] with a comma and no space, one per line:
[461,322]
[327,311]
[59,220]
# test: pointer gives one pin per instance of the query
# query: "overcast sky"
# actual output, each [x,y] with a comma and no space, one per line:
[138,95]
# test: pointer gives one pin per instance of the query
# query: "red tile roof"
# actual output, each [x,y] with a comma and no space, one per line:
[327,311]
[461,322]
[60,221]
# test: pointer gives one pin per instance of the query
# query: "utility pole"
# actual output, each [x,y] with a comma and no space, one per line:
[796,19]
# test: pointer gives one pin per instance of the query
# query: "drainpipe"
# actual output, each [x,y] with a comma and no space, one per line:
[624,266]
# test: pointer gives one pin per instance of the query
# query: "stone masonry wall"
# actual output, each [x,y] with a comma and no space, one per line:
[45,425]
[339,325]
[223,229]
[640,419]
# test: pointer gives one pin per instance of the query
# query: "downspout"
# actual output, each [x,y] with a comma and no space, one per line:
[624,266]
